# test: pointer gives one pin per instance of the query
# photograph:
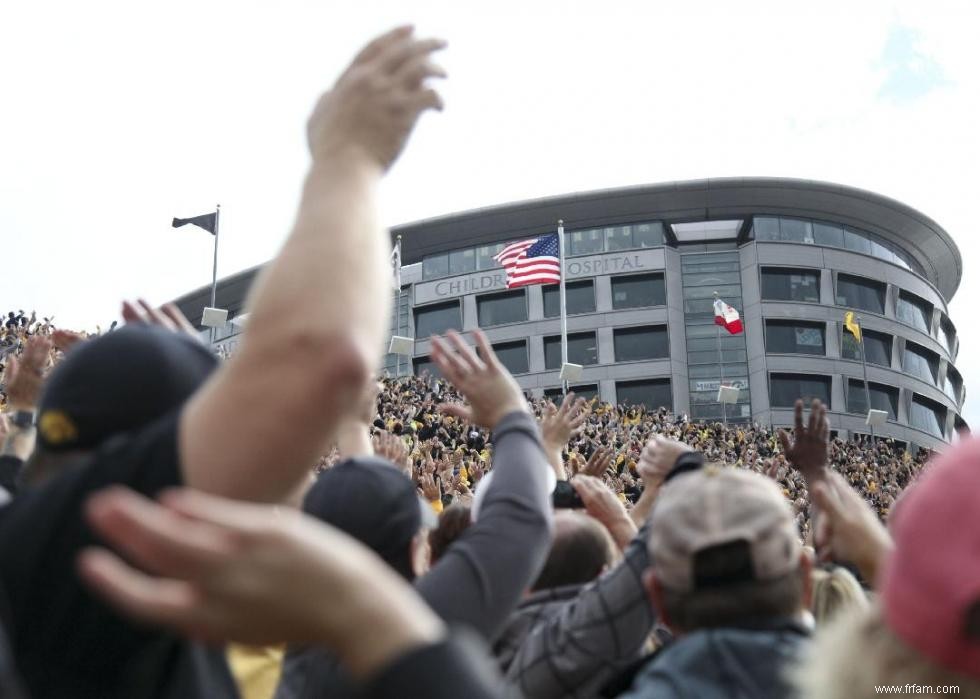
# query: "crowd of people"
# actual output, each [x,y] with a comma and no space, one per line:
[280,523]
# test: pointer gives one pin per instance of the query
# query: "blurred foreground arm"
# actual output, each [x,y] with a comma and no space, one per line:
[319,311]
[228,571]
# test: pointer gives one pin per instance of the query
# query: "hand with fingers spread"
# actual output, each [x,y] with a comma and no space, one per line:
[24,375]
[431,487]
[375,103]
[222,570]
[808,450]
[658,457]
[557,427]
[602,504]
[599,462]
[168,317]
[490,389]
[847,529]
[392,448]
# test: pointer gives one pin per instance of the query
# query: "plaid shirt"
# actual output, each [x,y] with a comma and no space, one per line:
[569,641]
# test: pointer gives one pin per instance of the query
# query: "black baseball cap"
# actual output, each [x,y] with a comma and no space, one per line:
[121,381]
[374,502]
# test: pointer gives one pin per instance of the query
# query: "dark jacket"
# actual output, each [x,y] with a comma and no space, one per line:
[728,663]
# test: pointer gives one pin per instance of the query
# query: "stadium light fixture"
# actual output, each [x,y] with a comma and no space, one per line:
[214,317]
[876,418]
[404,346]
[570,372]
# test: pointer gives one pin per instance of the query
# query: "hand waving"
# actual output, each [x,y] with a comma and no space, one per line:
[375,103]
[808,451]
[491,391]
[391,448]
[559,424]
[658,457]
[24,376]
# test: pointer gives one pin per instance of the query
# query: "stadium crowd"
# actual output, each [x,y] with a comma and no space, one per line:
[457,540]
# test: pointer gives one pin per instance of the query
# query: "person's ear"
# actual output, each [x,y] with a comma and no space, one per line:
[655,592]
[421,554]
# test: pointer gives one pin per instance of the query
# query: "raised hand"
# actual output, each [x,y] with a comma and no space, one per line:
[392,448]
[808,450]
[227,570]
[602,504]
[24,375]
[847,528]
[168,317]
[375,103]
[431,488]
[64,340]
[559,424]
[599,462]
[490,389]
[658,457]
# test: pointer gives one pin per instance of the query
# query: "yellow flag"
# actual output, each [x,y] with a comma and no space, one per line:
[852,325]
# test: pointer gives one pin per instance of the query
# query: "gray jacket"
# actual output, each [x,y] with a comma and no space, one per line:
[480,579]
[569,641]
[724,664]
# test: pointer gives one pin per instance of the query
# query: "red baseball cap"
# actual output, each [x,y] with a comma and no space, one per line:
[930,586]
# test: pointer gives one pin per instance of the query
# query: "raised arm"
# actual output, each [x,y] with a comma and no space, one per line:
[479,581]
[318,312]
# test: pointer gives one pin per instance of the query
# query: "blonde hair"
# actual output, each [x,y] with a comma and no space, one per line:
[858,652]
[834,592]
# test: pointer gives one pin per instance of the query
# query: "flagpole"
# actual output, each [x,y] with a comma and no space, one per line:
[864,367]
[561,301]
[398,304]
[214,271]
[721,369]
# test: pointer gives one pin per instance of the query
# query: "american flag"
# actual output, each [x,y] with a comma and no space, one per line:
[532,261]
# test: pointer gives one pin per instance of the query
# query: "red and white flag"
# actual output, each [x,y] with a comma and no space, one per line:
[727,317]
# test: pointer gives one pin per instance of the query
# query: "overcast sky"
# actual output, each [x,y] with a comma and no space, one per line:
[117,116]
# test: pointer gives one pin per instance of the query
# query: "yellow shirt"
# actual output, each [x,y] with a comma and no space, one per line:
[256,669]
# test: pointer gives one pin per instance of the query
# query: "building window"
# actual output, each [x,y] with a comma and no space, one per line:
[462,261]
[435,266]
[653,393]
[498,309]
[579,298]
[485,255]
[828,234]
[437,319]
[619,238]
[648,235]
[861,293]
[513,355]
[953,384]
[928,416]
[586,242]
[877,347]
[786,389]
[424,365]
[582,350]
[914,311]
[919,361]
[634,344]
[587,391]
[795,337]
[882,398]
[790,285]
[947,334]
[638,290]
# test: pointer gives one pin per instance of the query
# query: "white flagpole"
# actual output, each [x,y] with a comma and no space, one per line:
[398,301]
[214,271]
[561,300]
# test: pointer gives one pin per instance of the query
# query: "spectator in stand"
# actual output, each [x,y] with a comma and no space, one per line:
[479,579]
[924,632]
[305,357]
[231,571]
[581,625]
